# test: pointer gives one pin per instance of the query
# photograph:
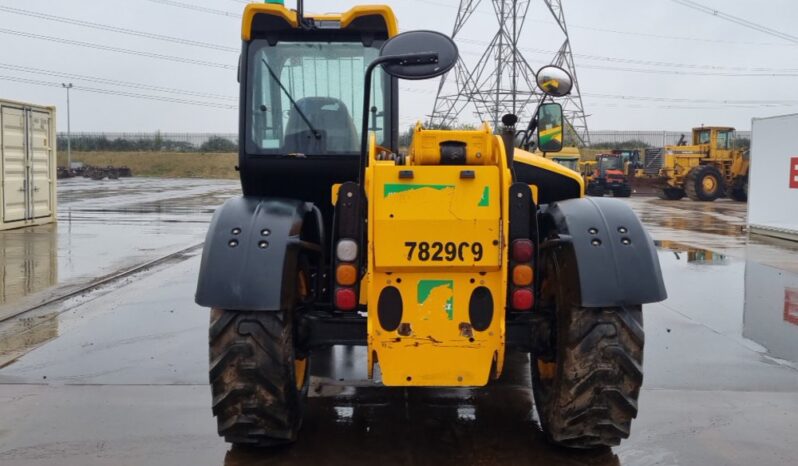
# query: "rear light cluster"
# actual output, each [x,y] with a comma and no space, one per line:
[346,275]
[522,253]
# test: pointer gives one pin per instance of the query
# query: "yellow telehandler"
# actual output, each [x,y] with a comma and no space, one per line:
[438,262]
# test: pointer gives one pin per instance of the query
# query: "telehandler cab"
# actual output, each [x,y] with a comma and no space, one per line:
[439,260]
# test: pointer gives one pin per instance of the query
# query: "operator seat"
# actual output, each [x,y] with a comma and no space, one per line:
[329,116]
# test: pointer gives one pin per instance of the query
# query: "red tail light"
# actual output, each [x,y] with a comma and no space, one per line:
[523,299]
[522,250]
[345,299]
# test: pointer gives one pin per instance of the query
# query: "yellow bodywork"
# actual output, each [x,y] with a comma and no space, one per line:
[679,160]
[436,233]
[537,160]
[569,157]
[451,214]
[290,16]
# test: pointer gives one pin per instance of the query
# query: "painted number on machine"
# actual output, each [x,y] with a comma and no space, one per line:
[439,252]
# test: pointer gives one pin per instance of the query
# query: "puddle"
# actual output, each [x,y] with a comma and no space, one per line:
[24,334]
[693,254]
[103,228]
[771,310]
[28,261]
[739,298]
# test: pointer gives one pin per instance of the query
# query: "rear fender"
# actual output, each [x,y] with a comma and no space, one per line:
[249,262]
[615,257]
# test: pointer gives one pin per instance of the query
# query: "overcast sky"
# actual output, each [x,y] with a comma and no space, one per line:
[726,73]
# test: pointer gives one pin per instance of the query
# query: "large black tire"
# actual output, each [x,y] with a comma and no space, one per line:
[704,183]
[738,195]
[257,383]
[586,389]
[595,190]
[671,194]
[739,191]
[626,191]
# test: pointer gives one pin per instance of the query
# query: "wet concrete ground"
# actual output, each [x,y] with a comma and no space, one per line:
[104,227]
[118,375]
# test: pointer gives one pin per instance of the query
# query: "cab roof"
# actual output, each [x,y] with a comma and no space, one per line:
[718,128]
[264,17]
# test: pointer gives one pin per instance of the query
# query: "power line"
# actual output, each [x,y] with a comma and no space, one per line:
[234,107]
[105,27]
[189,6]
[692,73]
[471,41]
[681,38]
[736,20]
[634,61]
[757,72]
[133,85]
[775,103]
[485,12]
[170,58]
[727,102]
[615,31]
[121,93]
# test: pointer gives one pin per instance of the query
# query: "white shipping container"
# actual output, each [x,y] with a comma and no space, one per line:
[27,165]
[773,177]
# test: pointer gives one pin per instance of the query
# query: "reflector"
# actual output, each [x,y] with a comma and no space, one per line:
[523,250]
[522,275]
[523,299]
[345,299]
[346,274]
[346,250]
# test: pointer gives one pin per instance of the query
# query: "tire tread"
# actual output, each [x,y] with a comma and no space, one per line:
[252,378]
[599,380]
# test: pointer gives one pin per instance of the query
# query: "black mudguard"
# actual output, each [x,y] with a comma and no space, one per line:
[616,258]
[249,262]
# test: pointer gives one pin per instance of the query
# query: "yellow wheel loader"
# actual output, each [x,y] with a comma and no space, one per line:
[439,262]
[568,157]
[708,169]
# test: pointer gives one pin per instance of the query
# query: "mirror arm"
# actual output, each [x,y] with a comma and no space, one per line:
[418,58]
[533,125]
[364,133]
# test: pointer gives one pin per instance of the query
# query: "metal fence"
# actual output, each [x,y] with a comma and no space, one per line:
[228,142]
[643,139]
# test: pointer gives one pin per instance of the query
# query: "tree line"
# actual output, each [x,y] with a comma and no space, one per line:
[157,143]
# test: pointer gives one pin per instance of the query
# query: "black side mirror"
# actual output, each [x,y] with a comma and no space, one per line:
[418,55]
[411,55]
[550,127]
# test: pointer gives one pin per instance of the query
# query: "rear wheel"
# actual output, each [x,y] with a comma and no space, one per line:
[595,190]
[586,390]
[622,192]
[258,383]
[671,194]
[704,183]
